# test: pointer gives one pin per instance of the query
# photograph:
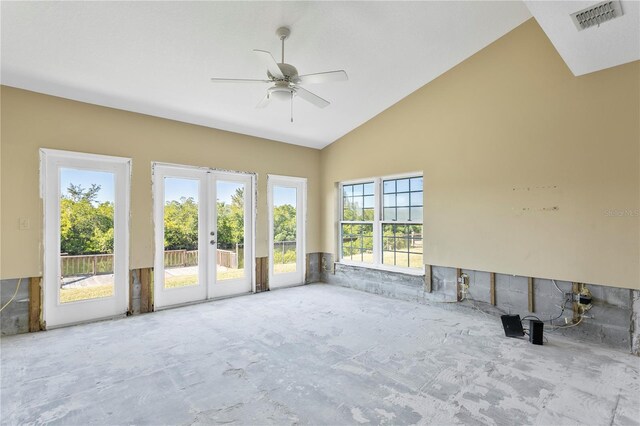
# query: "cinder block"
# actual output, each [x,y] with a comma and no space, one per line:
[635,322]
[512,293]
[479,285]
[620,297]
[444,281]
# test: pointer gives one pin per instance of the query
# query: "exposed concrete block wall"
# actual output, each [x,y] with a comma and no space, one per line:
[314,264]
[613,320]
[14,318]
[443,285]
[607,322]
[635,323]
[135,290]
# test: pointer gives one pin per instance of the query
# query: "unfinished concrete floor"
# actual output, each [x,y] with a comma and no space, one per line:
[317,354]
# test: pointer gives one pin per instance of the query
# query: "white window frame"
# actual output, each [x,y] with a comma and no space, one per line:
[377,223]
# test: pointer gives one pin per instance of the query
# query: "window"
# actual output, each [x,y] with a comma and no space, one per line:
[381,221]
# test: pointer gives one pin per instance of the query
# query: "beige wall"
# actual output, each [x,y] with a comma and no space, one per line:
[31,121]
[509,129]
[509,118]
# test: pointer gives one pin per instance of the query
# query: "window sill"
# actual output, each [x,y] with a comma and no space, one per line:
[406,271]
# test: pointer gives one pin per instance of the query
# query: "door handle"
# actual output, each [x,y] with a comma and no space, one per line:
[212,242]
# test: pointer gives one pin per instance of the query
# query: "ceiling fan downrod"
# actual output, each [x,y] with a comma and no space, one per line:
[283,33]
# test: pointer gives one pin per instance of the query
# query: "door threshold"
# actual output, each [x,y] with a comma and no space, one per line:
[91,321]
[198,302]
[287,286]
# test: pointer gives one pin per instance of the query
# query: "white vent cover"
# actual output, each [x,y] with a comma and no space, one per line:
[595,15]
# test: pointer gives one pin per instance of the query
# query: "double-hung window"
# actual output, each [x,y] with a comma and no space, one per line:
[381,222]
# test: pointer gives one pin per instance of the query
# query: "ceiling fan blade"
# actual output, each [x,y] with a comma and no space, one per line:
[238,80]
[264,102]
[311,98]
[323,77]
[270,63]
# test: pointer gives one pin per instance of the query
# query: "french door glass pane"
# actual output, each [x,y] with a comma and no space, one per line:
[285,228]
[87,203]
[230,238]
[181,223]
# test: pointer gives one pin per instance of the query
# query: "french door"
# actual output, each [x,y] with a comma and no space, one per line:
[287,213]
[86,244]
[203,234]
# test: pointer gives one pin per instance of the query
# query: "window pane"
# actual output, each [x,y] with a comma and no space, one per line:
[416,198]
[368,202]
[389,200]
[402,200]
[368,188]
[416,184]
[351,211]
[389,214]
[402,245]
[402,185]
[389,186]
[416,214]
[357,242]
[402,259]
[354,200]
[87,206]
[180,232]
[285,229]
[230,242]
[368,215]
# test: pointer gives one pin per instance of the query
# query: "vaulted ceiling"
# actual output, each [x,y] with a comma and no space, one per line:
[157,58]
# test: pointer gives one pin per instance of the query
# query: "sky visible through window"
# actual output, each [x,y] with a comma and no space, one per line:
[176,188]
[283,195]
[86,178]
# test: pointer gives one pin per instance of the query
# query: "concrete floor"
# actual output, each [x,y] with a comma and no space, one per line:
[317,354]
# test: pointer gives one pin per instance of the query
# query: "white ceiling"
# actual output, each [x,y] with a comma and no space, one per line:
[156,58]
[615,42]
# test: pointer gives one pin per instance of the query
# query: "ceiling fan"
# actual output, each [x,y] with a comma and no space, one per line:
[284,79]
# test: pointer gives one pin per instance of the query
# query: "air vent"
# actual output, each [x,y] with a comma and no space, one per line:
[595,15]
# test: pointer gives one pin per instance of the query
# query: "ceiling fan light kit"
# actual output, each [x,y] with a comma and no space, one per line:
[284,79]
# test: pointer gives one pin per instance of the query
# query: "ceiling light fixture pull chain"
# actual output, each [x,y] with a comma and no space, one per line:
[292,106]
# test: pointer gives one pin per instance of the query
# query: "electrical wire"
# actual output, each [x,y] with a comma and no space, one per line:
[564,306]
[554,283]
[14,294]
[531,316]
[558,327]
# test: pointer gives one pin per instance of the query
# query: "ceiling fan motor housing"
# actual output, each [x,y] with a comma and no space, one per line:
[289,71]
